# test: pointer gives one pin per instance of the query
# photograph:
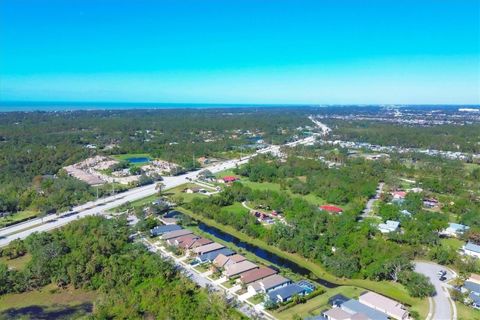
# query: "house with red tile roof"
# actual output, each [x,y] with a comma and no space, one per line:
[331,209]
[229,179]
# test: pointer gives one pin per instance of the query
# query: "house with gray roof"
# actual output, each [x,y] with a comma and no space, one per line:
[208,248]
[159,230]
[175,234]
[353,306]
[472,249]
[210,256]
[389,226]
[286,293]
[268,284]
[454,230]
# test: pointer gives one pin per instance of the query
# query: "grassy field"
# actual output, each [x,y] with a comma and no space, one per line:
[452,243]
[49,302]
[17,217]
[466,313]
[387,288]
[317,304]
[131,155]
[237,207]
[18,263]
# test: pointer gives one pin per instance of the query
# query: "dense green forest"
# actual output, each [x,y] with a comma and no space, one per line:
[346,246]
[463,138]
[94,254]
[34,146]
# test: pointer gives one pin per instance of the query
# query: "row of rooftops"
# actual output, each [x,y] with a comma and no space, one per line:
[259,278]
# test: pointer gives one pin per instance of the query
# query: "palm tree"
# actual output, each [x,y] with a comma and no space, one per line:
[159,188]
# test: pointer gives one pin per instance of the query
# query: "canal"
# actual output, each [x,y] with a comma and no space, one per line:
[264,254]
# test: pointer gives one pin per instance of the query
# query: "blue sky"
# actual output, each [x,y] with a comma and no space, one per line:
[265,51]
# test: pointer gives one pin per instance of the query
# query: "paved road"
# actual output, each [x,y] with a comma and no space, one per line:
[443,307]
[23,230]
[369,206]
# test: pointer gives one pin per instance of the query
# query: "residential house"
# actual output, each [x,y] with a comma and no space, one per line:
[194,242]
[399,194]
[159,230]
[430,202]
[353,306]
[222,260]
[200,242]
[339,314]
[193,189]
[256,274]
[175,234]
[239,268]
[212,255]
[383,304]
[229,179]
[180,240]
[331,209]
[208,248]
[286,293]
[474,278]
[472,249]
[454,230]
[268,284]
[473,290]
[389,226]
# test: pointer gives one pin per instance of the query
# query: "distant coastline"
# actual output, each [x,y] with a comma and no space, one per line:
[30,106]
[27,106]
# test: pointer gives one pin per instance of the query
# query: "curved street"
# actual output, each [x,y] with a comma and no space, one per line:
[442,306]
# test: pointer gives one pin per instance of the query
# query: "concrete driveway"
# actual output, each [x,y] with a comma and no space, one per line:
[442,306]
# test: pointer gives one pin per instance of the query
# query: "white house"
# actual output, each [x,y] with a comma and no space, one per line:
[389,226]
[472,249]
[454,230]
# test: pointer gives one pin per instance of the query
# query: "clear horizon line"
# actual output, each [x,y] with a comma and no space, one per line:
[76,102]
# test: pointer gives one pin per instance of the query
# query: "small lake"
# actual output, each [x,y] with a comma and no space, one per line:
[266,255]
[138,159]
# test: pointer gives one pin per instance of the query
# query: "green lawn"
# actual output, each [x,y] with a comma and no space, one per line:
[18,263]
[452,243]
[187,197]
[313,199]
[387,288]
[256,299]
[237,207]
[466,313]
[17,217]
[131,155]
[317,304]
[203,267]
[51,299]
